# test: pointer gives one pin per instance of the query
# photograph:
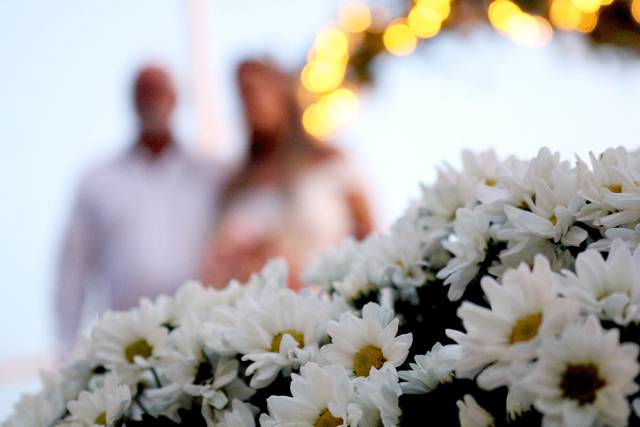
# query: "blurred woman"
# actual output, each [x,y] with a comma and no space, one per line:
[293,195]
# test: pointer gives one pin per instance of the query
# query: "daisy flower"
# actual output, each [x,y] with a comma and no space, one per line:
[320,396]
[103,407]
[239,415]
[583,377]
[192,367]
[611,188]
[439,202]
[378,397]
[482,166]
[129,342]
[37,410]
[551,216]
[470,414]
[401,254]
[190,298]
[503,339]
[357,285]
[610,289]
[360,344]
[333,265]
[629,236]
[471,232]
[430,370]
[282,331]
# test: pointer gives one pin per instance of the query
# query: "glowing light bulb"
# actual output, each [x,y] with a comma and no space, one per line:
[316,121]
[502,12]
[528,30]
[424,21]
[355,17]
[587,6]
[331,45]
[341,105]
[635,10]
[399,39]
[441,7]
[565,15]
[588,22]
[322,76]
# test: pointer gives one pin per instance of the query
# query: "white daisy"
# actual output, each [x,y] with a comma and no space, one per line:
[378,397]
[37,410]
[430,370]
[333,265]
[611,188]
[128,342]
[468,246]
[439,202]
[103,407]
[360,344]
[356,285]
[512,185]
[191,298]
[551,216]
[583,377]
[502,340]
[282,331]
[196,370]
[320,396]
[239,415]
[630,237]
[401,254]
[482,166]
[611,288]
[470,414]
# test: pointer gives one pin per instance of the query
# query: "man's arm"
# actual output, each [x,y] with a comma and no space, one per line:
[76,269]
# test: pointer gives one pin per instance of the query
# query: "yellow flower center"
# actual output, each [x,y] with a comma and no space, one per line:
[275,343]
[368,357]
[615,188]
[526,328]
[326,419]
[581,383]
[490,182]
[101,419]
[553,219]
[138,348]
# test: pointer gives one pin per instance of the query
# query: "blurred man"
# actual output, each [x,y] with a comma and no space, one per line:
[140,220]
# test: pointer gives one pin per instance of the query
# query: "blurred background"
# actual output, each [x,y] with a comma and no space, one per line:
[506,78]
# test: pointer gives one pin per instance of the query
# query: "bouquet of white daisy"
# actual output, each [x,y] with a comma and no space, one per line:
[508,294]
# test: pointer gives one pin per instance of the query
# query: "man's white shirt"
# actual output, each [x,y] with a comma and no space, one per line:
[138,228]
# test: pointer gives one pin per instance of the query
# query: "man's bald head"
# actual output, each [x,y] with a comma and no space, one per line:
[155,98]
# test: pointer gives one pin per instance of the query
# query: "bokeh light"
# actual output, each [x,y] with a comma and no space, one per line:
[424,21]
[587,6]
[635,10]
[588,22]
[530,31]
[322,118]
[322,76]
[399,39]
[331,45]
[441,7]
[565,15]
[355,17]
[501,12]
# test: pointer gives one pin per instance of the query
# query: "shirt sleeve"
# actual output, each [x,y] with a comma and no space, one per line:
[76,269]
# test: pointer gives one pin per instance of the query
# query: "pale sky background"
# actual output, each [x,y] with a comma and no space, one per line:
[66,70]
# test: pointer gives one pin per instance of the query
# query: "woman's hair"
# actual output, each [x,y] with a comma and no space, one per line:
[285,85]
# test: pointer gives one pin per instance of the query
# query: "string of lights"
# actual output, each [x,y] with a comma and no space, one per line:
[340,61]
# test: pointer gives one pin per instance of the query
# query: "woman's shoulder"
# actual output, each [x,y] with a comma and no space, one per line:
[324,154]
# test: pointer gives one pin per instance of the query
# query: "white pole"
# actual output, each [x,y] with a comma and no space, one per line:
[209,133]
